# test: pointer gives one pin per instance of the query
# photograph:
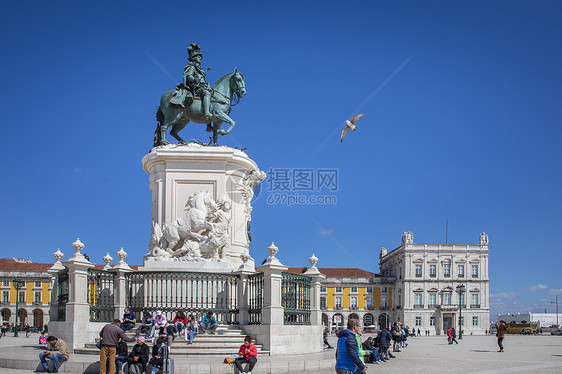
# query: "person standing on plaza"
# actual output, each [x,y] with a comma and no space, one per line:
[454,336]
[129,320]
[110,335]
[209,323]
[396,336]
[58,352]
[501,330]
[347,353]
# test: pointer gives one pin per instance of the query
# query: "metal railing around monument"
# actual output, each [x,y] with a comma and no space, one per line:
[172,291]
[255,298]
[62,294]
[295,298]
[100,295]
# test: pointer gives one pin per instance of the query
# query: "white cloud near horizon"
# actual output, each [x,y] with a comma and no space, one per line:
[504,295]
[555,291]
[537,287]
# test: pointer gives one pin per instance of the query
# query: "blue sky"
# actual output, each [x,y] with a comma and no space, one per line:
[462,103]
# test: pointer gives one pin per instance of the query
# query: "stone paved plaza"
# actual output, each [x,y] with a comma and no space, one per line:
[474,354]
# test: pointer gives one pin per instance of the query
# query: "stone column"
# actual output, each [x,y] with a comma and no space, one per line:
[120,284]
[244,271]
[315,282]
[54,272]
[272,311]
[77,307]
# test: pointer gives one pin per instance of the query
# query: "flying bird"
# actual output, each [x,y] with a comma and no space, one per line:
[350,125]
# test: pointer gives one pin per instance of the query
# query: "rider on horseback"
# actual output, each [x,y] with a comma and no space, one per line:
[194,80]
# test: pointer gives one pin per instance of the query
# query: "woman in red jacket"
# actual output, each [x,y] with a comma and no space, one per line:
[248,353]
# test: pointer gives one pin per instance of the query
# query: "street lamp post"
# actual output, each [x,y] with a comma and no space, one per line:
[556,302]
[18,284]
[460,290]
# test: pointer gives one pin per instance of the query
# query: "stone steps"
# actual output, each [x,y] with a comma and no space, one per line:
[226,341]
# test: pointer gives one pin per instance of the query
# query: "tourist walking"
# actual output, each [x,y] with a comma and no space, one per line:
[248,355]
[325,338]
[110,335]
[57,352]
[347,353]
[501,330]
[454,336]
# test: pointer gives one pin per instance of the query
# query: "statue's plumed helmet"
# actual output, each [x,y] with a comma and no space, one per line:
[193,50]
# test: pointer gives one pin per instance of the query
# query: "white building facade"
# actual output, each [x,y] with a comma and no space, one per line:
[430,279]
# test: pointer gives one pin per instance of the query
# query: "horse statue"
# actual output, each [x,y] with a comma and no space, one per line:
[178,117]
[186,227]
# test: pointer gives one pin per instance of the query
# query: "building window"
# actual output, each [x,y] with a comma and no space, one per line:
[370,289]
[418,321]
[353,303]
[5,297]
[368,320]
[369,302]
[21,298]
[37,283]
[384,289]
[38,297]
[474,299]
[432,299]
[6,283]
[322,288]
[447,270]
[475,321]
[384,302]
[418,300]
[474,271]
[447,298]
[461,271]
[432,271]
[338,302]
[338,289]
[432,321]
[418,271]
[353,289]
[322,302]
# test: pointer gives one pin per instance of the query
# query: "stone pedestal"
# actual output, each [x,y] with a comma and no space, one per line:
[178,172]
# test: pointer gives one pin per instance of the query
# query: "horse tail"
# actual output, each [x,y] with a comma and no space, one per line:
[160,121]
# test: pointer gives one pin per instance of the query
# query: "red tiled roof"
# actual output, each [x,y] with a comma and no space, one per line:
[11,265]
[339,272]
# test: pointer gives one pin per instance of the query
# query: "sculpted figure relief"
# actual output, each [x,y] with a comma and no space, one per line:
[202,234]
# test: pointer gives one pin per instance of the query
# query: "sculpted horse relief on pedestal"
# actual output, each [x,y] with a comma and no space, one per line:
[201,234]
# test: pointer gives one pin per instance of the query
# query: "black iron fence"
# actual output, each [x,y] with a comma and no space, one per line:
[172,291]
[100,295]
[255,298]
[62,294]
[295,298]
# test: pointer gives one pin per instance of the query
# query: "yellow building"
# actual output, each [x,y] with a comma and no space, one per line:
[355,293]
[33,298]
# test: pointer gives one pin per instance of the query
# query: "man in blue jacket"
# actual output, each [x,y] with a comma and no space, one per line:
[347,354]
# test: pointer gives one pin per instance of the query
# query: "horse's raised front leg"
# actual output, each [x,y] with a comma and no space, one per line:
[225,118]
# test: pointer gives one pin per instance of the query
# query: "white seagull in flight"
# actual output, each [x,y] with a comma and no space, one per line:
[350,125]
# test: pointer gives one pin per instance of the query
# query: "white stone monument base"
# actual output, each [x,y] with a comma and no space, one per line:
[191,266]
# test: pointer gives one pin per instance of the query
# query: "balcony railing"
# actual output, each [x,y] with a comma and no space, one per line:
[447,275]
[353,307]
[461,275]
[474,275]
[418,275]
[433,275]
[475,305]
[338,307]
[418,305]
